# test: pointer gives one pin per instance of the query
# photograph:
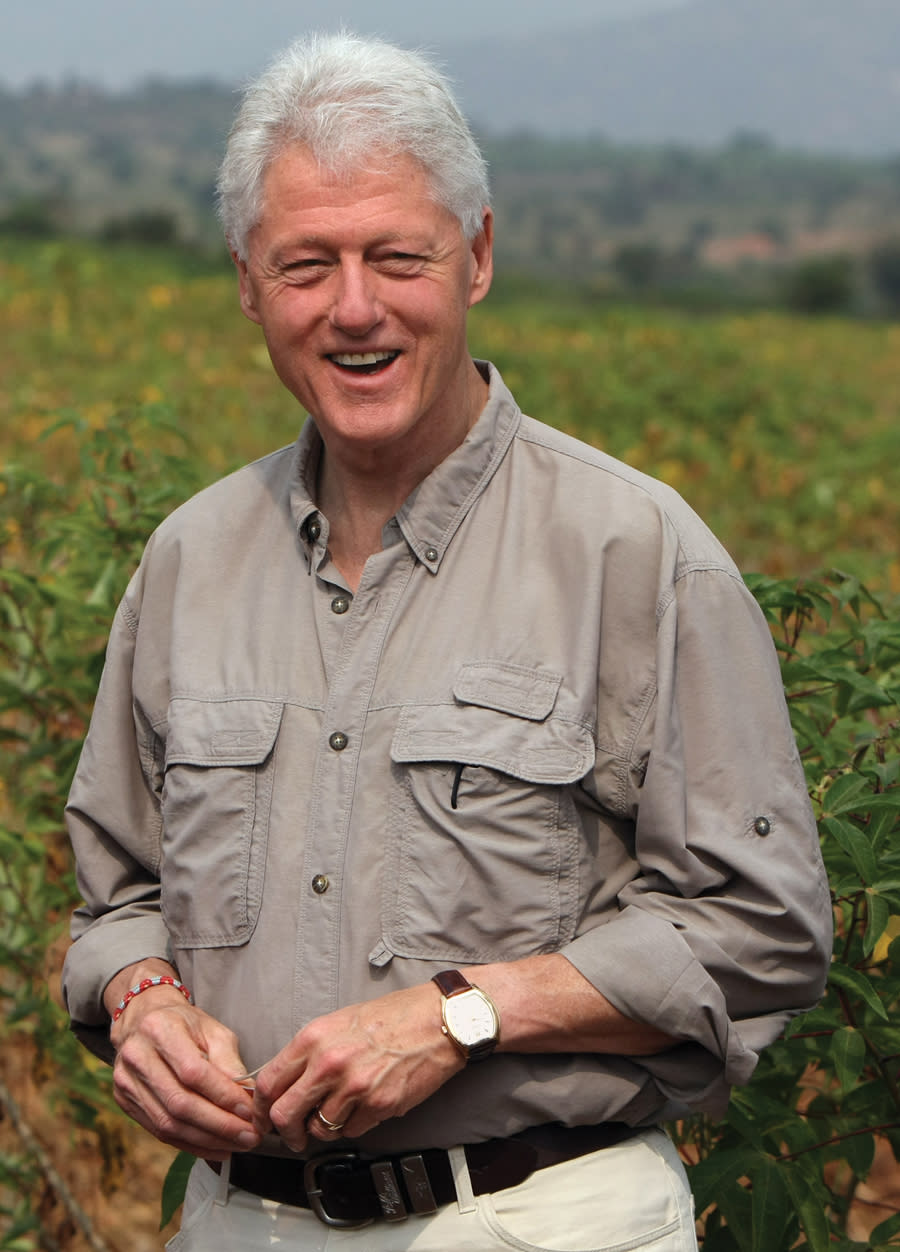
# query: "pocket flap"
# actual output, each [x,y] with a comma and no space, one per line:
[509,688]
[552,751]
[222,732]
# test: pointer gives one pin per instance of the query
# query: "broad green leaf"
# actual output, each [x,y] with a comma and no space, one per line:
[808,1203]
[844,794]
[174,1186]
[885,885]
[887,1230]
[770,1206]
[856,844]
[799,1135]
[881,823]
[879,914]
[883,802]
[742,1118]
[736,1207]
[820,1018]
[887,772]
[864,1104]
[716,1235]
[859,1153]
[103,591]
[719,1172]
[848,1051]
[852,980]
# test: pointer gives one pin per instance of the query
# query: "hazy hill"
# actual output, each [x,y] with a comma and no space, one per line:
[817,74]
[90,155]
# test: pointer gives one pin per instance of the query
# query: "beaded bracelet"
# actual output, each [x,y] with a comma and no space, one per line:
[163,980]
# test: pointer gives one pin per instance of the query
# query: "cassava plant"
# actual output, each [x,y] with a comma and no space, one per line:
[787,1164]
[785,1168]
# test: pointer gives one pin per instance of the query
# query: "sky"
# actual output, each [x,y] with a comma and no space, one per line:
[117,43]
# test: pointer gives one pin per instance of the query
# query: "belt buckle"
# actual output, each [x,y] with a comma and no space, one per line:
[314,1191]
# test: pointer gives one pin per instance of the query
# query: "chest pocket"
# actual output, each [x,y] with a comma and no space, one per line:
[483,839]
[217,789]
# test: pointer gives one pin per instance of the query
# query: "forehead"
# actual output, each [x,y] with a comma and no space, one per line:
[384,185]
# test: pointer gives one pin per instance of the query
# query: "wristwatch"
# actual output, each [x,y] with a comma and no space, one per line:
[468,1017]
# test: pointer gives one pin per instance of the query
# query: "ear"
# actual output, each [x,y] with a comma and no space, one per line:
[246,289]
[482,247]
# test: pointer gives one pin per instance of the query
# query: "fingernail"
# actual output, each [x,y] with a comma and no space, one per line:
[247,1139]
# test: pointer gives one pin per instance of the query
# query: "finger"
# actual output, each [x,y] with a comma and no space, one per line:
[192,1131]
[359,1122]
[155,1095]
[218,1086]
[274,1082]
[212,1090]
[326,1126]
[200,1053]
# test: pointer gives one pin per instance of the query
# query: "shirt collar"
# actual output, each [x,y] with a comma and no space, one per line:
[432,513]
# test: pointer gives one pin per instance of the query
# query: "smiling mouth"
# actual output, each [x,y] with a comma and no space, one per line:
[363,362]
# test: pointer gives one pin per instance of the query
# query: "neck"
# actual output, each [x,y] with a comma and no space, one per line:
[361,489]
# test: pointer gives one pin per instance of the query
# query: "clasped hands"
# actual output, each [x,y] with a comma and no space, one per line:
[179,1072]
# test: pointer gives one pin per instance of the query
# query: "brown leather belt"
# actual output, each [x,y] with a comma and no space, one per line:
[347,1188]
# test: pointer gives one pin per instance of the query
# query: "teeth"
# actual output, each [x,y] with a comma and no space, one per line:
[362,358]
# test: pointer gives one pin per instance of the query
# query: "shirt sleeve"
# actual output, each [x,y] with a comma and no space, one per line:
[114,823]
[725,932]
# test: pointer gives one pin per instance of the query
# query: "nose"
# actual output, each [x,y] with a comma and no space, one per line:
[356,309]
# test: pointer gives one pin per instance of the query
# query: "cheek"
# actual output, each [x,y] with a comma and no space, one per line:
[287,330]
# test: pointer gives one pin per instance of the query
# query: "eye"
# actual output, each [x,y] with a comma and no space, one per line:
[401,263]
[306,269]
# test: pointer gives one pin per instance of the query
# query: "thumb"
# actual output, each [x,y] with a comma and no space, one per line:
[226,1056]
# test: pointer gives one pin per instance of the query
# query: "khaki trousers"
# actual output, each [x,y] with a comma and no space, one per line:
[632,1196]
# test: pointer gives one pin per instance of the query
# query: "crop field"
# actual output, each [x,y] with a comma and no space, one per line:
[783,432]
[130,378]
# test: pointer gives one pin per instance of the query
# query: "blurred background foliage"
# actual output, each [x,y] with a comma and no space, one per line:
[130,380]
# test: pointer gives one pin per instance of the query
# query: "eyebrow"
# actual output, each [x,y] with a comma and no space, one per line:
[418,242]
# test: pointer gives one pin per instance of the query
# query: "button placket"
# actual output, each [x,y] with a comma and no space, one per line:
[355,649]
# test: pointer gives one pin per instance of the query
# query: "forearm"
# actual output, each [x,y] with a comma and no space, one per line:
[546,1005]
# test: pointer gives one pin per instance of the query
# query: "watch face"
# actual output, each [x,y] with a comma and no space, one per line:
[470,1018]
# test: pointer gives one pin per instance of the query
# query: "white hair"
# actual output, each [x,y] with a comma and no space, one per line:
[345,98]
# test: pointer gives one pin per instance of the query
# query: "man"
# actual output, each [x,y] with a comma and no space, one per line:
[436,699]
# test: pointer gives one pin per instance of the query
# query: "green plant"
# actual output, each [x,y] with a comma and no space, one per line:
[788,1162]
[821,285]
[789,1159]
[66,552]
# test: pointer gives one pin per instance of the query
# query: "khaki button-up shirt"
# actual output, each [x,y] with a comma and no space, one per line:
[550,719]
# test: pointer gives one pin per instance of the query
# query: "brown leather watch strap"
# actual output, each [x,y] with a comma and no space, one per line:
[451,982]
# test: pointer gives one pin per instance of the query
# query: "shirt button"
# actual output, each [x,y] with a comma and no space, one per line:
[762,826]
[320,884]
[431,554]
[313,529]
[338,741]
[340,604]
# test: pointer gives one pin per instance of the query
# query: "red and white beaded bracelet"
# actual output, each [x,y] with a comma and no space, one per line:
[162,980]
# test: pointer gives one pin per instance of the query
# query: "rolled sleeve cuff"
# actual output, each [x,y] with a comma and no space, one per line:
[647,971]
[99,953]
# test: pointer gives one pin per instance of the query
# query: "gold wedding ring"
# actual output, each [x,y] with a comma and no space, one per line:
[334,1127]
